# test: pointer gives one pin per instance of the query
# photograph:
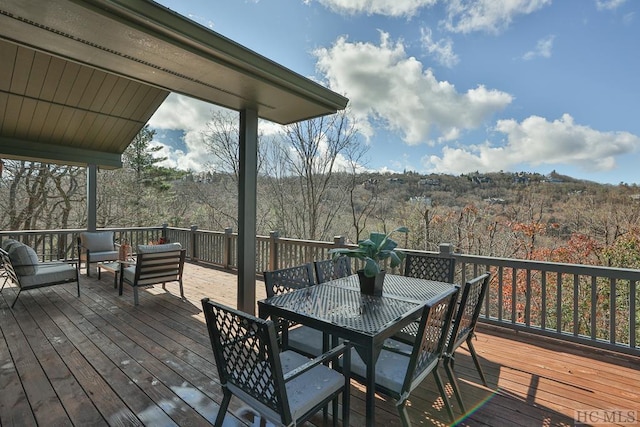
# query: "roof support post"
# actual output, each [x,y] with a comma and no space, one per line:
[247,200]
[92,185]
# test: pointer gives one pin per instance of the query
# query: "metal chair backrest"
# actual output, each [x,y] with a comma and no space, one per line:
[468,311]
[287,279]
[430,267]
[429,346]
[331,269]
[246,353]
[159,267]
[8,268]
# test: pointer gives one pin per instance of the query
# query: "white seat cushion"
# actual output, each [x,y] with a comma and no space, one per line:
[49,273]
[306,340]
[391,367]
[303,392]
[104,256]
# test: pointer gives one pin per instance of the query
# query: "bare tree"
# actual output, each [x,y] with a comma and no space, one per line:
[39,195]
[306,160]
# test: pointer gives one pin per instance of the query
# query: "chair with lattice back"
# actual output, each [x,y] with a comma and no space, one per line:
[430,267]
[331,269]
[303,339]
[401,367]
[286,388]
[463,327]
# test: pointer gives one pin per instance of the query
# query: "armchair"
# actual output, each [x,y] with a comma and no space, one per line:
[96,247]
[22,267]
[154,264]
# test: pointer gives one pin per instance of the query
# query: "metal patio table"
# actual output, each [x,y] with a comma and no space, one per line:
[339,309]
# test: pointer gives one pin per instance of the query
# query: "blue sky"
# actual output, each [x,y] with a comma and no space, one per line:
[449,86]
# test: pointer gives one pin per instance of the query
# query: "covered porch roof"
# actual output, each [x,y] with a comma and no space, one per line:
[79,79]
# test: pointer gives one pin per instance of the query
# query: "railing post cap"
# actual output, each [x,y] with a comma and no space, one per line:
[194,227]
[274,234]
[228,230]
[338,240]
[446,248]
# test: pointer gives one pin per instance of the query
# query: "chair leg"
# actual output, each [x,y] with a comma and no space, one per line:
[223,407]
[474,356]
[443,393]
[404,414]
[448,367]
[135,295]
[16,300]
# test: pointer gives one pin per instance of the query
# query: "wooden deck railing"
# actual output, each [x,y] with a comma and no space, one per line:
[591,305]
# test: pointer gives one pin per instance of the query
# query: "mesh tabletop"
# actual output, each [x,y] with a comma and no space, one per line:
[403,287]
[345,307]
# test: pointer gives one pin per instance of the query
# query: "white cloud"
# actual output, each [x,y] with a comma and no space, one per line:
[406,8]
[491,16]
[390,89]
[179,112]
[441,50]
[536,141]
[543,49]
[609,4]
[190,115]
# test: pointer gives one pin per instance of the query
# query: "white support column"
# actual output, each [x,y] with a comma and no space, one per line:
[92,179]
[248,154]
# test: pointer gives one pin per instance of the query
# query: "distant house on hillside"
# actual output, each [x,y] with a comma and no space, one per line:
[395,181]
[480,179]
[521,178]
[552,179]
[429,182]
[370,184]
[420,200]
[495,201]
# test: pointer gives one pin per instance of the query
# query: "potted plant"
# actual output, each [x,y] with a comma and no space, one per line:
[378,247]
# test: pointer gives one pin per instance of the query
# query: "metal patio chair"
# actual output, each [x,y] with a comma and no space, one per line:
[331,269]
[303,339]
[430,267]
[286,388]
[401,368]
[463,327]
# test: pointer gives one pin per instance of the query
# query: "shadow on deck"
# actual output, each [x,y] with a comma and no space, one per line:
[98,360]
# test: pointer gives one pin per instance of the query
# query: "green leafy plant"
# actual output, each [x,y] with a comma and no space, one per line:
[372,251]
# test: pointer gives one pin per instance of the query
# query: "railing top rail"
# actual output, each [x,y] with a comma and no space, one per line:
[553,267]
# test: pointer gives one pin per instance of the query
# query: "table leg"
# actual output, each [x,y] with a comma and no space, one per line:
[370,361]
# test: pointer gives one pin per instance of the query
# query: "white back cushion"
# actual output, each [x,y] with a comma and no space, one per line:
[101,241]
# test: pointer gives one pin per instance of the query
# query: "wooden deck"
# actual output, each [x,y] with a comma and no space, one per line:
[98,360]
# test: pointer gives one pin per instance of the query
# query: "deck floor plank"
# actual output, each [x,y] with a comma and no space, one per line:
[99,359]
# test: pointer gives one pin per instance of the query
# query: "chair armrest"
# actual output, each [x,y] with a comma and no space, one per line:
[334,353]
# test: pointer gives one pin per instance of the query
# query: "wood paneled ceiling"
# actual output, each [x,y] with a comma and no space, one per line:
[79,79]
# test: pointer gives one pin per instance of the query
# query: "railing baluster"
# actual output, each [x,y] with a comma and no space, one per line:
[612,312]
[594,301]
[514,295]
[576,304]
[632,314]
[527,297]
[543,302]
[559,303]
